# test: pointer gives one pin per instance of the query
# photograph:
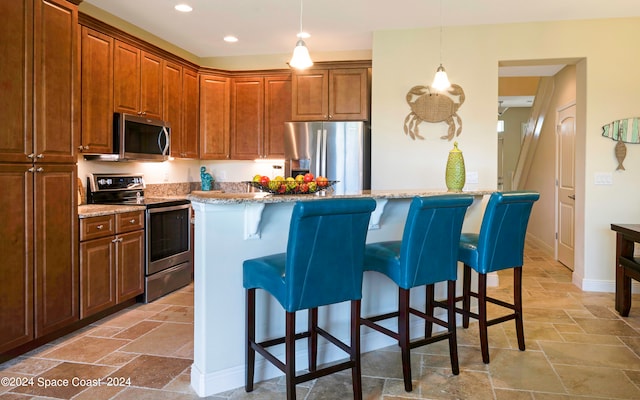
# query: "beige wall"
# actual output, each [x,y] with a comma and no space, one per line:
[513,119]
[606,90]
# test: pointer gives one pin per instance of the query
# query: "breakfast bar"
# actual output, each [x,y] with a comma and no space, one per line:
[233,227]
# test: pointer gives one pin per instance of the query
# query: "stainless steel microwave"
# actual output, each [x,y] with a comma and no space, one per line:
[137,138]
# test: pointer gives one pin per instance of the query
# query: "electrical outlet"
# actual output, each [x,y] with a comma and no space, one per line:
[472,177]
[603,178]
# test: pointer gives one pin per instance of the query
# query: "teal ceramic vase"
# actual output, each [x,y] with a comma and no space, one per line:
[455,173]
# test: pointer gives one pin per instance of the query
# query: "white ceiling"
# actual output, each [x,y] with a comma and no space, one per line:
[270,26]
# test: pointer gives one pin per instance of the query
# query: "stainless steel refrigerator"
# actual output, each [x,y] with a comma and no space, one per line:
[337,150]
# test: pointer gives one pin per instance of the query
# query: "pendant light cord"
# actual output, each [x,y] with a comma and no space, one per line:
[300,34]
[440,32]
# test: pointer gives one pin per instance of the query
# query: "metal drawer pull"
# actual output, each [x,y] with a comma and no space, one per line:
[133,221]
[116,240]
[99,226]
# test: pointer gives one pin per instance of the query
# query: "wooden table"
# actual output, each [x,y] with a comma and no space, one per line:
[627,267]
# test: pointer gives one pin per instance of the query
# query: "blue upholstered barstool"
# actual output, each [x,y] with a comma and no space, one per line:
[498,246]
[428,253]
[322,266]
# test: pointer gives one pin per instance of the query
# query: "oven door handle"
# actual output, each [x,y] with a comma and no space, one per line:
[170,208]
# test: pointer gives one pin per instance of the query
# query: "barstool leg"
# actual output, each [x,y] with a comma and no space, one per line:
[482,316]
[429,307]
[466,295]
[250,338]
[290,355]
[403,336]
[313,339]
[356,371]
[451,326]
[517,302]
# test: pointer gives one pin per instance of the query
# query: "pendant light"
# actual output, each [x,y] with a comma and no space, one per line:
[301,58]
[441,81]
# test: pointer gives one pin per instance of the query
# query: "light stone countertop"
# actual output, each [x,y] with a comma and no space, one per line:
[96,210]
[263,197]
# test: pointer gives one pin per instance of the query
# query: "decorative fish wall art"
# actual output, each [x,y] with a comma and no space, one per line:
[622,131]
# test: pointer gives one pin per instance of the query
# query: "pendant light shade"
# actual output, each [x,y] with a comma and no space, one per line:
[441,80]
[301,58]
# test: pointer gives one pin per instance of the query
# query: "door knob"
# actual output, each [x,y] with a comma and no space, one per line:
[572,196]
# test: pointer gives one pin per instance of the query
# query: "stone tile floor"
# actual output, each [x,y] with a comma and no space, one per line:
[577,348]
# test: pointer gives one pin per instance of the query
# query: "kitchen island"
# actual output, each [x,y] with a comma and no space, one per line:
[233,227]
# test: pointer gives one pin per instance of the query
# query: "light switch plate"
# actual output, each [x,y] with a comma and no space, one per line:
[603,178]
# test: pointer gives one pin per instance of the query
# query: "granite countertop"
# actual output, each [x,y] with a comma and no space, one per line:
[96,210]
[263,197]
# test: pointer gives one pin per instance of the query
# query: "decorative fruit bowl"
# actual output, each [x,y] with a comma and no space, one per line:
[291,187]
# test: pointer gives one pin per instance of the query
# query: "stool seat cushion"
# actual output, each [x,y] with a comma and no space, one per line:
[267,273]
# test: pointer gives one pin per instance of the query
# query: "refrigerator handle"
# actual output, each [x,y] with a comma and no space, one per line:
[323,155]
[318,154]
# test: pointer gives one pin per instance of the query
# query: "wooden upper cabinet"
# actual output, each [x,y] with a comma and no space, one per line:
[331,94]
[180,89]
[39,77]
[310,95]
[247,117]
[16,80]
[214,117]
[349,94]
[150,85]
[260,106]
[277,111]
[172,99]
[137,85]
[190,112]
[97,91]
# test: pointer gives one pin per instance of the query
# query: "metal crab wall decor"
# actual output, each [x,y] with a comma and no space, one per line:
[429,105]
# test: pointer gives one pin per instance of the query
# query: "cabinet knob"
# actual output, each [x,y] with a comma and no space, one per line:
[99,227]
[40,156]
[132,221]
[31,169]
[83,148]
[31,156]
[116,240]
[40,169]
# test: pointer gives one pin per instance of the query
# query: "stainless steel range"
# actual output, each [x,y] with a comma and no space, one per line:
[167,230]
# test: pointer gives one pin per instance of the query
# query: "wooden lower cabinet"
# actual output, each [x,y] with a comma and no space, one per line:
[111,260]
[38,273]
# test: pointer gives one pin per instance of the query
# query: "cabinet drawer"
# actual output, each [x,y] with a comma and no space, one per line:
[131,221]
[96,227]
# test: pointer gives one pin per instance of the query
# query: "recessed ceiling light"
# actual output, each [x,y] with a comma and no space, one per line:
[183,8]
[303,35]
[230,39]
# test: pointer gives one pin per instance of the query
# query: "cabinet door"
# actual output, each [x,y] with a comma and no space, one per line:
[247,119]
[130,265]
[97,276]
[310,100]
[172,99]
[349,94]
[126,78]
[56,81]
[97,91]
[16,247]
[277,110]
[214,117]
[55,247]
[150,85]
[190,107]
[16,77]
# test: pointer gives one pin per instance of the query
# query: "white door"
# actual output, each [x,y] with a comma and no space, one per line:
[565,184]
